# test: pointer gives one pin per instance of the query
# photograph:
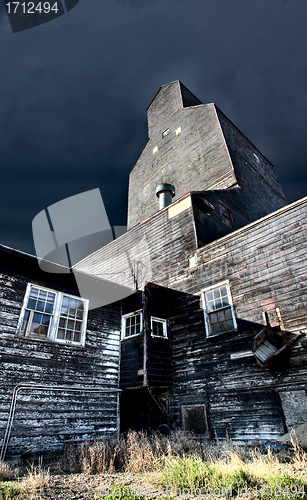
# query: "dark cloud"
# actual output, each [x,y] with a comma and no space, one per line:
[75,92]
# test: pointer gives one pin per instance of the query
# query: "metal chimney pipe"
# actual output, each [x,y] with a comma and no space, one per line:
[165,193]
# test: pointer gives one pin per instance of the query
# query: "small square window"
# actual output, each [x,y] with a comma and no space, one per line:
[53,315]
[158,327]
[218,309]
[131,324]
[226,215]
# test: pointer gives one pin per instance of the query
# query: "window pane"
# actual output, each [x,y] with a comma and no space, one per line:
[225,301]
[31,304]
[224,291]
[228,313]
[77,337]
[78,326]
[34,292]
[157,327]
[216,293]
[51,297]
[230,325]
[213,318]
[37,317]
[222,327]
[73,303]
[215,329]
[62,323]
[40,306]
[24,321]
[42,295]
[43,330]
[49,308]
[70,324]
[218,304]
[65,301]
[72,313]
[79,314]
[69,335]
[220,316]
[61,334]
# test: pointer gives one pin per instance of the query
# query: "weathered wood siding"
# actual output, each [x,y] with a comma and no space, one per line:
[159,364]
[207,153]
[256,176]
[151,355]
[209,226]
[265,264]
[194,159]
[149,247]
[44,420]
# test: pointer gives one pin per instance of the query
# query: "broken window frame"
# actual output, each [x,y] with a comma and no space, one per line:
[164,326]
[208,313]
[55,316]
[226,215]
[124,326]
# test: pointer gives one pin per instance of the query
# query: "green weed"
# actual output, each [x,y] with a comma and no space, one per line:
[9,491]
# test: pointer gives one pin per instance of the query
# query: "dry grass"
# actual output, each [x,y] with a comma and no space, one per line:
[176,459]
[34,483]
[135,452]
[7,473]
[29,487]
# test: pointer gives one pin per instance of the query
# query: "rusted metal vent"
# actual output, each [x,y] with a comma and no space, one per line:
[165,193]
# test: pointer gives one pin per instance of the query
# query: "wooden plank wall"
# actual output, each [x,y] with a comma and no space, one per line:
[153,245]
[256,176]
[193,160]
[44,420]
[159,364]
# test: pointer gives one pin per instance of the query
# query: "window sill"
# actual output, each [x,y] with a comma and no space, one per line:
[132,336]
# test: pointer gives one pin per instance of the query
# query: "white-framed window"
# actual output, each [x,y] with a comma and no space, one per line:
[158,327]
[218,309]
[132,324]
[52,315]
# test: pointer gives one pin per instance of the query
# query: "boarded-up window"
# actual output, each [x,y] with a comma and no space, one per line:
[194,419]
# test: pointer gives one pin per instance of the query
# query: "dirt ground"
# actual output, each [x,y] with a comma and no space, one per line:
[83,487]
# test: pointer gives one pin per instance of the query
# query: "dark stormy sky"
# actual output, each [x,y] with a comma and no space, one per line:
[74,94]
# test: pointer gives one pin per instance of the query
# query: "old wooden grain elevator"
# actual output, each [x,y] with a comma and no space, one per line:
[212,339]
